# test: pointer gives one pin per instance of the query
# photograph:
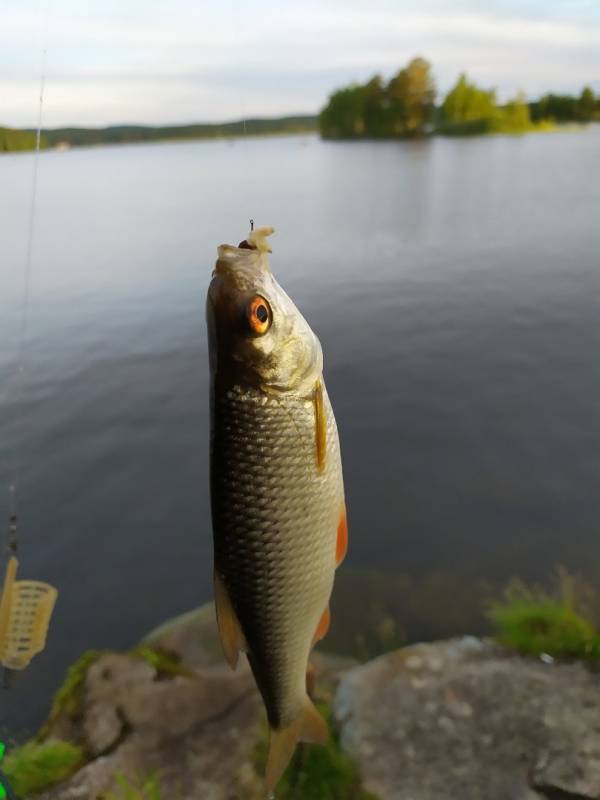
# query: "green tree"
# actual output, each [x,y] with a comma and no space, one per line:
[465,102]
[411,96]
[586,104]
[513,117]
[344,115]
[555,107]
[376,108]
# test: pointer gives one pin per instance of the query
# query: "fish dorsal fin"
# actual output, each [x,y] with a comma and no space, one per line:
[230,630]
[309,727]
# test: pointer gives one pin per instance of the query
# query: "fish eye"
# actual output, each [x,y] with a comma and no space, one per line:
[259,315]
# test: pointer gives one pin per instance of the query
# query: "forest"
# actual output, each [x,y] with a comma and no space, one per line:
[405,106]
[12,139]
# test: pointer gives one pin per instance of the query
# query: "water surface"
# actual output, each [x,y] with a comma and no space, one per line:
[455,286]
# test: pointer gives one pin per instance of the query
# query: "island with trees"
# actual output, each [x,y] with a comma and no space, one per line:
[406,106]
[403,106]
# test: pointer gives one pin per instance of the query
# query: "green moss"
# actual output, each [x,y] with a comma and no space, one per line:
[138,789]
[315,772]
[68,698]
[165,663]
[35,766]
[533,622]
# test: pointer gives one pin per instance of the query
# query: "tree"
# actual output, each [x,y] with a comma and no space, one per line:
[466,103]
[556,107]
[513,117]
[343,117]
[586,104]
[411,96]
[376,107]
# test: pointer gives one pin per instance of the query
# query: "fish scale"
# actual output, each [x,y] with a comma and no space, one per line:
[277,495]
[280,506]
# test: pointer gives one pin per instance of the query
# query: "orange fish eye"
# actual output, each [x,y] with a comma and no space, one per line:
[259,315]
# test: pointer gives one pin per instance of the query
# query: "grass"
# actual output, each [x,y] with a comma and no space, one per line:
[36,766]
[68,698]
[316,772]
[533,621]
[147,788]
[165,663]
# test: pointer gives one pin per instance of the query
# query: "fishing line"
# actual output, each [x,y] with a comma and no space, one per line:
[24,325]
[25,606]
[235,17]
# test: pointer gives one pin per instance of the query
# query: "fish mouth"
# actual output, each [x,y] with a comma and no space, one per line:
[234,260]
[251,255]
[239,270]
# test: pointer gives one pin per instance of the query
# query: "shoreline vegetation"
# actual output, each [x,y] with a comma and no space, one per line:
[99,705]
[13,140]
[403,107]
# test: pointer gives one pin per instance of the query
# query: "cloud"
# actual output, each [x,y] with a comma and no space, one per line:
[183,60]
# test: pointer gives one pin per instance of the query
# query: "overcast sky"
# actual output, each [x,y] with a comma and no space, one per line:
[111,61]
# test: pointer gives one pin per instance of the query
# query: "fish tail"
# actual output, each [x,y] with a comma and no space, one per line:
[309,727]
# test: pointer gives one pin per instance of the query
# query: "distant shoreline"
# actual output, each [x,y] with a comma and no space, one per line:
[23,141]
[15,140]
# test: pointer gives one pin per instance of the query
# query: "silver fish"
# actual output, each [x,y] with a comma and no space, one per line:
[277,494]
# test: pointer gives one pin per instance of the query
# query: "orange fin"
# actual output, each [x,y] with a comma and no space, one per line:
[341,545]
[309,727]
[230,630]
[322,627]
[320,426]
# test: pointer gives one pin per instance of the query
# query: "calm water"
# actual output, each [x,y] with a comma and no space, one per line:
[455,286]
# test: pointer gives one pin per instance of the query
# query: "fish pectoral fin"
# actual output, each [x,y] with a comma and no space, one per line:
[230,630]
[322,627]
[320,426]
[309,727]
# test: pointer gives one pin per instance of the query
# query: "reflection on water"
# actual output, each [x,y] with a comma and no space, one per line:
[455,287]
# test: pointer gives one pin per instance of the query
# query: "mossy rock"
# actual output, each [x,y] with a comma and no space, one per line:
[34,766]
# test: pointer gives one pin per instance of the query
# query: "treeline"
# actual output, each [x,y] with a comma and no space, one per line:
[406,106]
[123,134]
[12,140]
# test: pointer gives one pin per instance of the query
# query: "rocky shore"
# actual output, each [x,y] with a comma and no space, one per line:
[454,720]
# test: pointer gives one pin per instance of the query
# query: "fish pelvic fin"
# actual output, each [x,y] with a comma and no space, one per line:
[322,627]
[341,545]
[309,727]
[230,630]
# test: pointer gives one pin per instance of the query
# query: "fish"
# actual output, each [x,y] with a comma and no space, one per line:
[277,491]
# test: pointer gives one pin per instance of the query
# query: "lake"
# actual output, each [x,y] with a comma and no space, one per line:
[455,286]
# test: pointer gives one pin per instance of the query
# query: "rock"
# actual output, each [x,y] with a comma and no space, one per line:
[465,719]
[197,733]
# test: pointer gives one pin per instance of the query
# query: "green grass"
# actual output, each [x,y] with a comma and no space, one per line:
[35,766]
[315,772]
[147,788]
[165,663]
[68,698]
[533,621]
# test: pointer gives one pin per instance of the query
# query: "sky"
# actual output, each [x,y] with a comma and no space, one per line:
[116,61]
